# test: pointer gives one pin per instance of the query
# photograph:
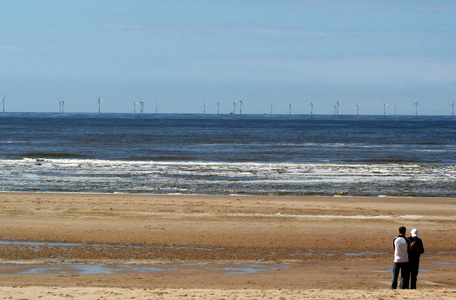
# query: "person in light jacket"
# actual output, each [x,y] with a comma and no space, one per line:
[401,246]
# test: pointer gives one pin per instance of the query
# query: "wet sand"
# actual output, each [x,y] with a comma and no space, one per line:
[151,246]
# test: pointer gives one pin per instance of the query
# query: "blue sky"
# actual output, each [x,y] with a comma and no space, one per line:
[182,54]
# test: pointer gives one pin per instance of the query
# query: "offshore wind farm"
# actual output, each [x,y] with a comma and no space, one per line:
[239,104]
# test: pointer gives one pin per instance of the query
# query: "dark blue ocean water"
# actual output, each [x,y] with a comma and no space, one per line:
[229,154]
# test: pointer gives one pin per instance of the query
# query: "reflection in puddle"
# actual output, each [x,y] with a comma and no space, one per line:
[231,269]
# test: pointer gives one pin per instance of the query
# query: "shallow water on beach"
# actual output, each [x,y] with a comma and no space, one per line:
[225,268]
[51,268]
[76,253]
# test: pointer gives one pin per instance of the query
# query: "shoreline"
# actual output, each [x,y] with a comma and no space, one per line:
[229,195]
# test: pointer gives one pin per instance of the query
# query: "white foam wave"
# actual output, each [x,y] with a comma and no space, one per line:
[297,166]
[225,178]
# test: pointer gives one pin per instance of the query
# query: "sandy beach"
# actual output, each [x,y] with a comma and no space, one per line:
[123,246]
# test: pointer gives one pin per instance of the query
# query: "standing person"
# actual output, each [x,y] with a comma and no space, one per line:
[416,249]
[401,261]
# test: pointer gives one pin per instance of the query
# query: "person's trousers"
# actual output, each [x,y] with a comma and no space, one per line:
[405,274]
[414,266]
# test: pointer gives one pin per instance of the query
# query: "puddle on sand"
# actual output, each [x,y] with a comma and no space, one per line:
[37,244]
[390,270]
[443,263]
[247,269]
[231,269]
[446,252]
[90,269]
[433,283]
[365,253]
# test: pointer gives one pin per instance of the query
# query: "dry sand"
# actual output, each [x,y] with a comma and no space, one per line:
[91,293]
[232,247]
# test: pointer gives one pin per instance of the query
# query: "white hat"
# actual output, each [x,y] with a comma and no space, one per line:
[414,232]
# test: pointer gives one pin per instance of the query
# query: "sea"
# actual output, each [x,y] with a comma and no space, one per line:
[229,154]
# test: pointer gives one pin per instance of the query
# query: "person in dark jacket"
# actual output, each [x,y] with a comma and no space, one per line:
[416,249]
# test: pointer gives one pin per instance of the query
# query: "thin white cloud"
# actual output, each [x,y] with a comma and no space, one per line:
[429,6]
[224,30]
[359,70]
[447,7]
[12,48]
[20,48]
[122,26]
[266,31]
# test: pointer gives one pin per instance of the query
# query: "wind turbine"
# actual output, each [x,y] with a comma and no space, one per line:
[99,104]
[63,106]
[141,106]
[218,107]
[416,108]
[204,107]
[134,107]
[289,109]
[357,109]
[395,107]
[452,109]
[4,100]
[234,107]
[384,108]
[271,108]
[337,107]
[311,108]
[241,105]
